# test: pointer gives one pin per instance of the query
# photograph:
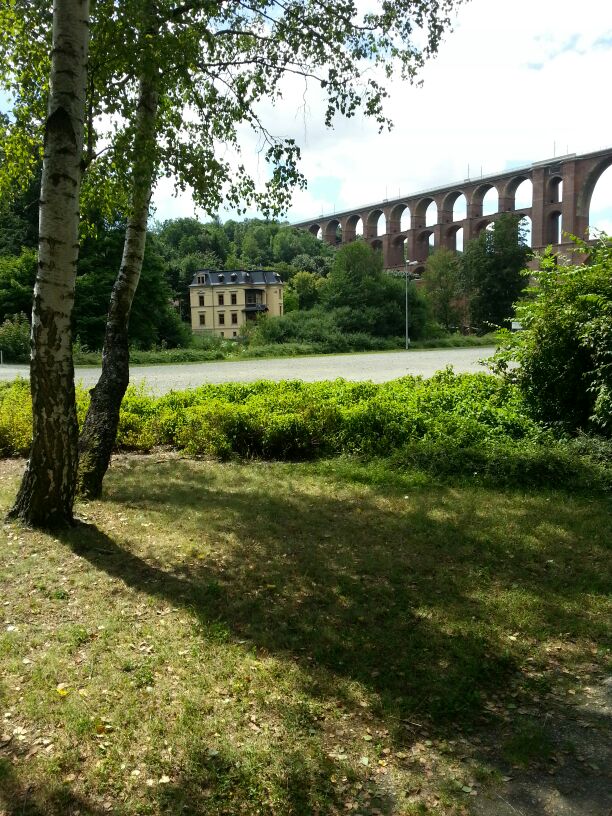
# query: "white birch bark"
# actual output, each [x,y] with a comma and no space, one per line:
[47,490]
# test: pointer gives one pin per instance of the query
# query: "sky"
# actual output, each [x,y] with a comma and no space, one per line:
[514,83]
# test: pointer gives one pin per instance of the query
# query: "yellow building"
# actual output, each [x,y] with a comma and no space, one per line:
[222,302]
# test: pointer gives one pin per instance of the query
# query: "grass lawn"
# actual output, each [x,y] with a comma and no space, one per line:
[272,638]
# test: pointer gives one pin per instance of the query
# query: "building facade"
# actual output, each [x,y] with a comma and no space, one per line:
[223,302]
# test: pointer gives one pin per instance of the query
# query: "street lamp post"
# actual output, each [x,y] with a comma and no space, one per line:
[407,278]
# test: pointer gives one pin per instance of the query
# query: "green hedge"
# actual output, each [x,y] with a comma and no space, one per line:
[469,423]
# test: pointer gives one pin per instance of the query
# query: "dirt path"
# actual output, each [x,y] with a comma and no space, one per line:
[573,777]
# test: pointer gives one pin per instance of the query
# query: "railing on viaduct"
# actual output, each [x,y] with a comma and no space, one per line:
[561,195]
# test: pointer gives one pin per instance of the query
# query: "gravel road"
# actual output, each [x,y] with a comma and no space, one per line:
[378,367]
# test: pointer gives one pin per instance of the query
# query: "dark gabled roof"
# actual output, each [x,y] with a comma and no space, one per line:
[238,277]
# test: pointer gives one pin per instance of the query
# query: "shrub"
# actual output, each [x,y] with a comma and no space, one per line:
[135,431]
[15,418]
[314,326]
[565,350]
[317,331]
[472,425]
[15,339]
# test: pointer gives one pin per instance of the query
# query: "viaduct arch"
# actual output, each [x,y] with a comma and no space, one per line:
[561,195]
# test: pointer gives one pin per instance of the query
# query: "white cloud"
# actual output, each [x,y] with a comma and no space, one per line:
[514,83]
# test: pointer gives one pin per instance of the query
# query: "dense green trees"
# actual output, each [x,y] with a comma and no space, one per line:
[15,339]
[477,289]
[188,244]
[155,320]
[367,300]
[348,282]
[307,287]
[17,276]
[19,219]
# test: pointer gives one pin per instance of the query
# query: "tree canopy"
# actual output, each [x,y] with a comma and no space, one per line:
[367,300]
[211,64]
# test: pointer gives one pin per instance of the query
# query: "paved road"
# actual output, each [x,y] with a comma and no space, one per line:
[378,367]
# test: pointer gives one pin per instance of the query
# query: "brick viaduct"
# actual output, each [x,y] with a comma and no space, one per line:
[561,196]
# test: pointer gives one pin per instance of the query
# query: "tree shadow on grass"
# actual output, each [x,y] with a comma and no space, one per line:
[362,627]
[20,798]
[354,590]
[367,593]
[306,784]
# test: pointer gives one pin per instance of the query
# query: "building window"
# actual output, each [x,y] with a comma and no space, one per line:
[221,300]
[221,319]
[234,299]
[222,334]
[252,297]
[201,300]
[234,318]
[234,334]
[202,320]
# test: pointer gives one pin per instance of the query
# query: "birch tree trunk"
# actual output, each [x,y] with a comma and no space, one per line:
[47,490]
[100,428]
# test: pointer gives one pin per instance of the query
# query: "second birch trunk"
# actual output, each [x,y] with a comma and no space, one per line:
[100,428]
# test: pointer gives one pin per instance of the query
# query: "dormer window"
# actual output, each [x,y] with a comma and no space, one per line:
[221,277]
[234,276]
